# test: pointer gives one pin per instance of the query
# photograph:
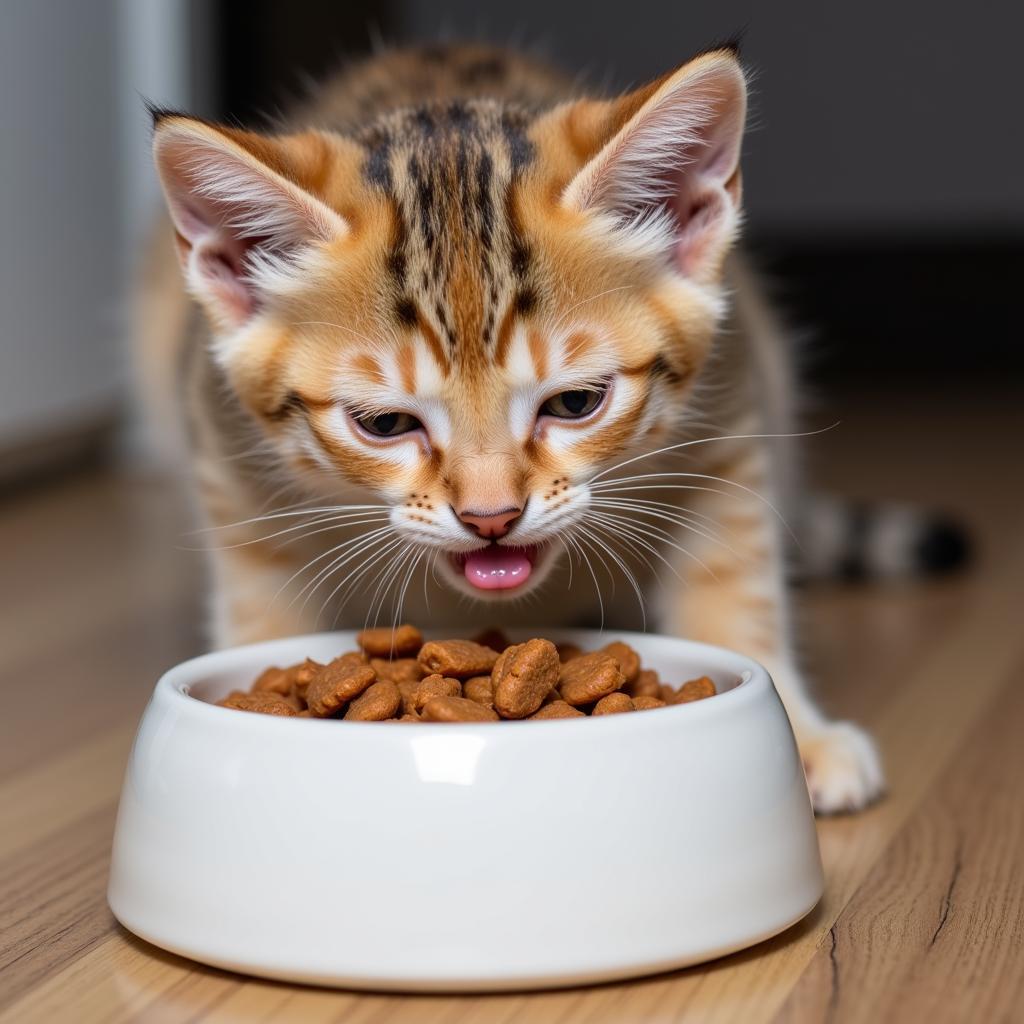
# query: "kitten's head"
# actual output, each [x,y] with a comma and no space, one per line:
[467,310]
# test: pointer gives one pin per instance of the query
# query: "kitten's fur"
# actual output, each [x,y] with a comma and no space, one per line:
[448,233]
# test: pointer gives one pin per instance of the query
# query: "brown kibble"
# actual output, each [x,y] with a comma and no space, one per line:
[589,677]
[336,684]
[457,709]
[493,638]
[263,702]
[557,709]
[458,680]
[458,658]
[479,689]
[523,676]
[399,642]
[645,703]
[613,704]
[628,659]
[294,700]
[397,671]
[302,675]
[695,689]
[273,680]
[435,686]
[407,691]
[381,700]
[646,684]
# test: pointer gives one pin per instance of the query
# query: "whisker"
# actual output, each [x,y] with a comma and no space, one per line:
[631,544]
[623,567]
[708,440]
[718,479]
[285,513]
[611,576]
[560,322]
[365,537]
[668,505]
[397,618]
[348,524]
[677,519]
[340,327]
[586,561]
[375,540]
[357,574]
[608,487]
[614,531]
[390,571]
[337,523]
[568,558]
[655,533]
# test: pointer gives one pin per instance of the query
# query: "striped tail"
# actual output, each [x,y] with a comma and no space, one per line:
[847,540]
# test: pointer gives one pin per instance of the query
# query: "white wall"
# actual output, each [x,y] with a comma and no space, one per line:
[59,215]
[77,191]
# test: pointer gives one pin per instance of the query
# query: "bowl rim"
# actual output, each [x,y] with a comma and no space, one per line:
[174,687]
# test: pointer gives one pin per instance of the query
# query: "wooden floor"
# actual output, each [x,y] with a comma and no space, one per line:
[923,917]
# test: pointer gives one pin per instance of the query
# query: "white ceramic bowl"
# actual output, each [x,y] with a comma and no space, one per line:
[463,857]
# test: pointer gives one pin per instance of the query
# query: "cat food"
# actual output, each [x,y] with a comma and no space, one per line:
[397,677]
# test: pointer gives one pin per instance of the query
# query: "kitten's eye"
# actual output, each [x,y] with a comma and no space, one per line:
[388,424]
[573,405]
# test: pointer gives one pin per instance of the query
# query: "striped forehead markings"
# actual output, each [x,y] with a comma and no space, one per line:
[457,248]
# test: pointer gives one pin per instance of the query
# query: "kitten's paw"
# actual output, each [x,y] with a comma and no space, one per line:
[844,771]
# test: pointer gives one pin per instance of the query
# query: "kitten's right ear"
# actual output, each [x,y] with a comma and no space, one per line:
[239,211]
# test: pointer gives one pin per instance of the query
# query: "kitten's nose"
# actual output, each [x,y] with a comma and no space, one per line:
[490,524]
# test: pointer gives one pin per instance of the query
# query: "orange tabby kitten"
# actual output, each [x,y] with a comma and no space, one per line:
[464,348]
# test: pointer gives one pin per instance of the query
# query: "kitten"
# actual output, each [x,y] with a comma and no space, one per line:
[469,356]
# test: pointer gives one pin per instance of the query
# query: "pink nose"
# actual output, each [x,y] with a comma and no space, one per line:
[490,524]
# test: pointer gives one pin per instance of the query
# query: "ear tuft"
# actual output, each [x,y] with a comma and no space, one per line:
[158,113]
[732,44]
[670,165]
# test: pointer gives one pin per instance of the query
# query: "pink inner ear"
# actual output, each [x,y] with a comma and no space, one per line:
[221,270]
[700,215]
[218,256]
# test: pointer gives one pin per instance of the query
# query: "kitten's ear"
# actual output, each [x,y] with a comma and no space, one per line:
[668,155]
[239,209]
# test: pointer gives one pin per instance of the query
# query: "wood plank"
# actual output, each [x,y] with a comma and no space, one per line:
[936,931]
[54,908]
[84,685]
[36,803]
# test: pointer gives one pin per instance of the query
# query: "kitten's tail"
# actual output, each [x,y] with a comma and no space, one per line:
[847,540]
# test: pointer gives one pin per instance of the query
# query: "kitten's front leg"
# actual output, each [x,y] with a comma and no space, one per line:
[738,599]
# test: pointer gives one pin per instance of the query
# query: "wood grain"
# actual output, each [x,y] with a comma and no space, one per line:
[923,916]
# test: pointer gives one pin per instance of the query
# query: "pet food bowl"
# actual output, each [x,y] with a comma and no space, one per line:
[463,857]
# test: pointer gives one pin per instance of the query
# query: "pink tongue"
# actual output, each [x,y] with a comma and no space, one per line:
[497,568]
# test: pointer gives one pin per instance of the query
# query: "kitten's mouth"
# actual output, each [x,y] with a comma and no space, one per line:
[496,567]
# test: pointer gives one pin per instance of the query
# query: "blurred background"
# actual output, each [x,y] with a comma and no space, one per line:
[883,174]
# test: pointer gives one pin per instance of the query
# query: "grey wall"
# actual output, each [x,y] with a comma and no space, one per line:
[59,216]
[879,115]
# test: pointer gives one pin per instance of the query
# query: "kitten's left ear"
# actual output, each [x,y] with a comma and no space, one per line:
[670,151]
